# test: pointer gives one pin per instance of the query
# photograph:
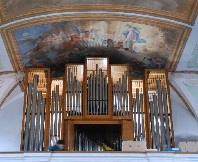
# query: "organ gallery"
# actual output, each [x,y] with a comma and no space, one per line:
[96,106]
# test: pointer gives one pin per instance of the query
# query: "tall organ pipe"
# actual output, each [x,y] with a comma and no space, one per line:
[27,123]
[59,117]
[142,116]
[56,110]
[32,126]
[152,124]
[42,123]
[162,131]
[37,132]
[52,114]
[157,123]
[166,117]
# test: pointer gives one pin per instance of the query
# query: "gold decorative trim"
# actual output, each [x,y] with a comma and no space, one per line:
[176,52]
[10,91]
[183,100]
[188,16]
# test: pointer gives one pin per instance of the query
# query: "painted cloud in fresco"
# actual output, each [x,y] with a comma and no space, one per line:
[53,45]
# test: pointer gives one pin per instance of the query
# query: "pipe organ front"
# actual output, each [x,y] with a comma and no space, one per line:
[95,107]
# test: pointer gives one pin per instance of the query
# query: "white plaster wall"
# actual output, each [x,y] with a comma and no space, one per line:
[185,125]
[10,125]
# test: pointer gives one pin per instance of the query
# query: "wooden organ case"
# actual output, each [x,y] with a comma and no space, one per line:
[158,109]
[97,106]
[36,112]
[94,107]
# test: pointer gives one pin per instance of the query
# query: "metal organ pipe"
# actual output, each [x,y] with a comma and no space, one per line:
[86,142]
[97,93]
[34,124]
[37,132]
[156,122]
[56,110]
[73,93]
[42,123]
[167,131]
[153,134]
[142,117]
[138,116]
[160,127]
[121,96]
[160,104]
[56,116]
[27,122]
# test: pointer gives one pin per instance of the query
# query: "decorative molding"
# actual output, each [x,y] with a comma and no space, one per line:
[183,100]
[187,16]
[99,157]
[186,72]
[19,76]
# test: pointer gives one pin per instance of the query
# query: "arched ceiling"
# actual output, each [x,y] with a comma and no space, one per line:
[143,34]
[181,10]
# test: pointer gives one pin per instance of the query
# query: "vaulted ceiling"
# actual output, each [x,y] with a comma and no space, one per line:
[144,34]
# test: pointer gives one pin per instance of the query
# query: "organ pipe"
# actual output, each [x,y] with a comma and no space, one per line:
[160,119]
[34,117]
[97,93]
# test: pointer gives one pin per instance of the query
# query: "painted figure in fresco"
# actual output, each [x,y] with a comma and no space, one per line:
[74,39]
[42,47]
[95,38]
[132,35]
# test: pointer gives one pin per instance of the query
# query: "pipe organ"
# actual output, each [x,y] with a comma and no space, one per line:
[95,106]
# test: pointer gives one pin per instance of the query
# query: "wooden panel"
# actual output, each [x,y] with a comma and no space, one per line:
[127,130]
[69,135]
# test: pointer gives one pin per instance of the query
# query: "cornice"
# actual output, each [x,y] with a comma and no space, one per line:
[187,16]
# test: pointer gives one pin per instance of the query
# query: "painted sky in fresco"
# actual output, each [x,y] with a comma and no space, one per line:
[16,6]
[53,45]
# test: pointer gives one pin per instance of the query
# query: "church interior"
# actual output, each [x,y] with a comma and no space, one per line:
[104,76]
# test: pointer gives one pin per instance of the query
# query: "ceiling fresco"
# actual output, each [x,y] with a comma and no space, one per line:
[125,40]
[182,10]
